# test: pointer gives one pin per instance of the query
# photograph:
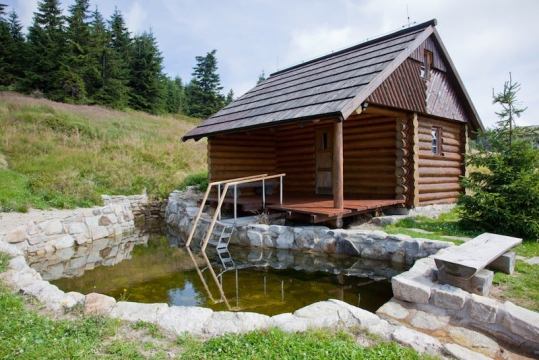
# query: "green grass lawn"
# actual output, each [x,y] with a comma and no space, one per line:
[521,288]
[63,156]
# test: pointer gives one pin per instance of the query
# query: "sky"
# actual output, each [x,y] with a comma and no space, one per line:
[486,39]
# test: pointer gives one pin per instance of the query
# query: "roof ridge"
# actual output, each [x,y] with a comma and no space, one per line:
[410,29]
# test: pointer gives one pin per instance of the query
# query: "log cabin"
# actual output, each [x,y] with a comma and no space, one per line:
[381,124]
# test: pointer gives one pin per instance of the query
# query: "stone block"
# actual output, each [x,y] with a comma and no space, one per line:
[346,247]
[474,340]
[521,321]
[483,309]
[98,304]
[222,322]
[480,283]
[462,353]
[52,227]
[63,242]
[132,311]
[393,309]
[410,290]
[77,228]
[255,238]
[9,249]
[16,235]
[184,319]
[505,263]
[427,321]
[418,341]
[449,297]
[289,322]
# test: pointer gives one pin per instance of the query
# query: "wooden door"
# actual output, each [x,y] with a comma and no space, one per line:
[324,161]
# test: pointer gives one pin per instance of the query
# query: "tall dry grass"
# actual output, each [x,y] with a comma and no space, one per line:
[64,155]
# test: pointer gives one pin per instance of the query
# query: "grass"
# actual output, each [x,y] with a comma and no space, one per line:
[64,156]
[445,225]
[276,344]
[521,288]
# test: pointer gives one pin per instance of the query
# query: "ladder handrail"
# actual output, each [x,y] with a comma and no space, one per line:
[205,198]
[221,199]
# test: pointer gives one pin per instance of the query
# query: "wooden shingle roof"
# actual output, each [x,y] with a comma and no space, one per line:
[328,86]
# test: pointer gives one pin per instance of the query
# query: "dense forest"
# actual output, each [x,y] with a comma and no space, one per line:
[82,58]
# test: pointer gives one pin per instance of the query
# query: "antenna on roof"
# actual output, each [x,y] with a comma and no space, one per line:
[407,15]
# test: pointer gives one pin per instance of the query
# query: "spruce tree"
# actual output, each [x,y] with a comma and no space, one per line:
[46,44]
[204,91]
[17,54]
[229,97]
[5,45]
[503,183]
[146,83]
[174,96]
[76,65]
[116,91]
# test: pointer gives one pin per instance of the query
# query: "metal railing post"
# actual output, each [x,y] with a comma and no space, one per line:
[280,190]
[218,197]
[235,201]
[263,194]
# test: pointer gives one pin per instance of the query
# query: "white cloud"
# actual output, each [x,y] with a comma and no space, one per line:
[136,17]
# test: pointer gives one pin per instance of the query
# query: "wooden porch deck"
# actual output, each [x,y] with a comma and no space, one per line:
[318,208]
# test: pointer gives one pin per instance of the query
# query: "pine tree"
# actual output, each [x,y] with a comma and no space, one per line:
[117,74]
[76,65]
[146,78]
[17,55]
[46,44]
[229,97]
[503,185]
[204,91]
[261,77]
[174,96]
[5,45]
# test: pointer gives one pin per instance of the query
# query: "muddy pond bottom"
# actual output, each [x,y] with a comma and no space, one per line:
[150,269]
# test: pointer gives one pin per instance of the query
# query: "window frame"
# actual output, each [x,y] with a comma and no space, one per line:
[428,60]
[436,140]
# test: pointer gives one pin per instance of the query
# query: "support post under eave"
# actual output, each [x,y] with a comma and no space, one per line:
[338,163]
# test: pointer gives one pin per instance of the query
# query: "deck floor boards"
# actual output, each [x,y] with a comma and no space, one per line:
[316,205]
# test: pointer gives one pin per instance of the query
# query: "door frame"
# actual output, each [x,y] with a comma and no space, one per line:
[328,144]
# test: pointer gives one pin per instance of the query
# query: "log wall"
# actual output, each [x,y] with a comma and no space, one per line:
[370,157]
[241,154]
[296,156]
[439,174]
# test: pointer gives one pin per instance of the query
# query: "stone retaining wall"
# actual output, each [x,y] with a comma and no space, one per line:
[504,320]
[81,226]
[377,245]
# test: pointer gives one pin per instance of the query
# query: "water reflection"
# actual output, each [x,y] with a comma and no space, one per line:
[148,269]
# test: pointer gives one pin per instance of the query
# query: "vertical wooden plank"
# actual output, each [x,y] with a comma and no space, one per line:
[415,161]
[338,163]
[208,159]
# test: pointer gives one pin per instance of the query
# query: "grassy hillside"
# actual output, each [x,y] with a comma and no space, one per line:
[60,155]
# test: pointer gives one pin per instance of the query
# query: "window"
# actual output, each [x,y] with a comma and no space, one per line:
[427,64]
[436,147]
[324,141]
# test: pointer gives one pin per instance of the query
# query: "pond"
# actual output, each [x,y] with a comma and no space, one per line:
[152,268]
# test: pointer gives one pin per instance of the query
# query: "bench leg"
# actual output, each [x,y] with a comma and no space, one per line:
[505,263]
[479,284]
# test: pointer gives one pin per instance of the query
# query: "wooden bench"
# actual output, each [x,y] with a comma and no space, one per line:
[464,265]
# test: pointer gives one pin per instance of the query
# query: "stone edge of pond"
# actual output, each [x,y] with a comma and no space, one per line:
[418,289]
[204,322]
[182,207]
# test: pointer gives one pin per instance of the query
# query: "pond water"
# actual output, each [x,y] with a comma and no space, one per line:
[152,268]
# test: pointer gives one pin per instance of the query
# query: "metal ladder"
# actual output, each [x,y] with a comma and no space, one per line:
[223,236]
